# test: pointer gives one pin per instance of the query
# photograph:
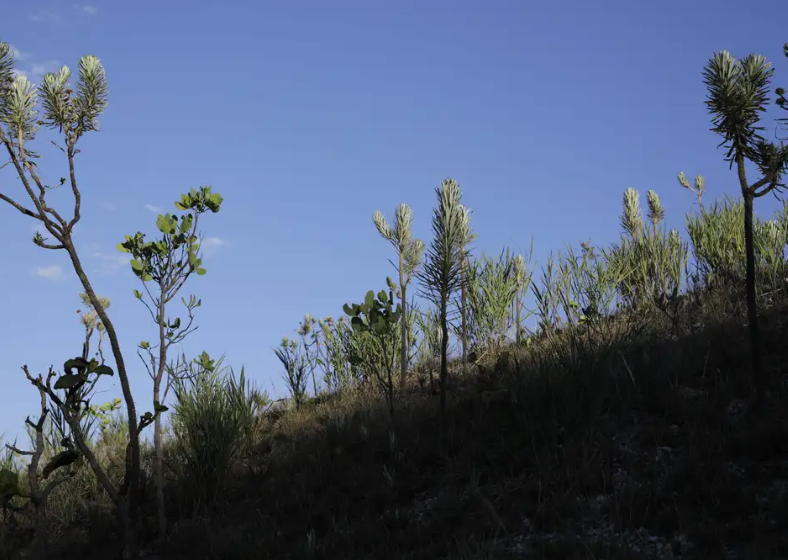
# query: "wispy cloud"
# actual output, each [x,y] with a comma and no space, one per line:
[46,16]
[87,8]
[111,263]
[108,206]
[212,245]
[53,272]
[31,67]
[152,208]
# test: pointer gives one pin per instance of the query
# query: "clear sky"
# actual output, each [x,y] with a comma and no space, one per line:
[308,116]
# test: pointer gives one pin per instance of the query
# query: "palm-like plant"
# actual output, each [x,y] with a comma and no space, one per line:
[738,92]
[441,277]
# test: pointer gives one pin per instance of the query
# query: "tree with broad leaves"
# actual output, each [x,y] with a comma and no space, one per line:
[168,263]
[738,91]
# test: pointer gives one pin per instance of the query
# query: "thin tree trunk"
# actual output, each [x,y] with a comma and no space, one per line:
[444,364]
[463,328]
[404,348]
[157,424]
[129,517]
[752,310]
[41,547]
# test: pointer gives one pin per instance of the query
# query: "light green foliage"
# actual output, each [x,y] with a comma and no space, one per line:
[522,275]
[400,236]
[492,288]
[409,252]
[545,294]
[575,289]
[168,263]
[587,286]
[440,276]
[430,346]
[336,368]
[213,420]
[176,253]
[650,261]
[310,342]
[69,111]
[718,242]
[378,317]
[296,368]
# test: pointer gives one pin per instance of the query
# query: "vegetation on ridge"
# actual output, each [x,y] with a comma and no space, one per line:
[621,428]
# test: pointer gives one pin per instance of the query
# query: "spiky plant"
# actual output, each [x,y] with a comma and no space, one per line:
[440,277]
[310,340]
[738,91]
[213,419]
[523,282]
[295,365]
[409,253]
[72,112]
[699,189]
[648,260]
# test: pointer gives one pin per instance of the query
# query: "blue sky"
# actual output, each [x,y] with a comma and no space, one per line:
[309,116]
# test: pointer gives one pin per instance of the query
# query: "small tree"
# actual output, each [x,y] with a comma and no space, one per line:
[310,341]
[168,263]
[409,253]
[378,318]
[72,113]
[441,277]
[737,93]
[295,366]
[41,482]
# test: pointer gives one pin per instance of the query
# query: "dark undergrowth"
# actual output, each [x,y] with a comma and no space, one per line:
[644,445]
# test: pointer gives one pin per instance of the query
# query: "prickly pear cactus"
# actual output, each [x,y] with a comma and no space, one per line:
[376,315]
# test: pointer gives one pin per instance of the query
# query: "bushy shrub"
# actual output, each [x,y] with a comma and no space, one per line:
[214,421]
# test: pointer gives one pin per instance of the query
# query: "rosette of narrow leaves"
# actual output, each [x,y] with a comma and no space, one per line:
[409,252]
[631,218]
[18,109]
[6,69]
[700,186]
[656,213]
[738,93]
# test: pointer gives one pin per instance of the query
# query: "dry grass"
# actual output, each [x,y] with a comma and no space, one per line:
[636,444]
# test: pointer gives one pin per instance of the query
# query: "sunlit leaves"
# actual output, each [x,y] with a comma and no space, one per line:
[738,92]
[56,100]
[6,69]
[18,108]
[440,275]
[91,99]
